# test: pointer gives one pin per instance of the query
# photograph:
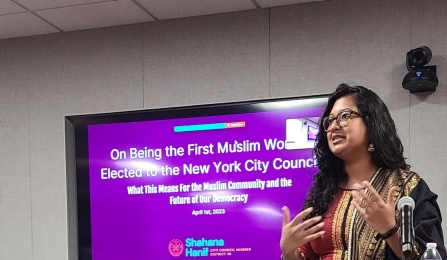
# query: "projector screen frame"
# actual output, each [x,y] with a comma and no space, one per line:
[77,168]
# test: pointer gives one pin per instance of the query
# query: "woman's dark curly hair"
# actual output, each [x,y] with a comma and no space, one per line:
[381,132]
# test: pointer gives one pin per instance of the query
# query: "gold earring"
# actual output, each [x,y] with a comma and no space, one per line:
[371,148]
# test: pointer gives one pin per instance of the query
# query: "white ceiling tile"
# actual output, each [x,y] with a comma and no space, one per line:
[50,4]
[9,7]
[96,15]
[70,15]
[23,24]
[168,9]
[272,3]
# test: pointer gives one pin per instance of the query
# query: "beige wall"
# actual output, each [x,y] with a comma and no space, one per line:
[286,51]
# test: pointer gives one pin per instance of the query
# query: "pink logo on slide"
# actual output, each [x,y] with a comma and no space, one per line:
[175,247]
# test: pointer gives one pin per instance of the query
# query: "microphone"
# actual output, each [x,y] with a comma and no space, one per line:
[406,206]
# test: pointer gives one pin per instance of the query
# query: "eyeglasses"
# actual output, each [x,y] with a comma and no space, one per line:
[342,118]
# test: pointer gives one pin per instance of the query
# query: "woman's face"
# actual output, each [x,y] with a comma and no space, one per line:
[351,141]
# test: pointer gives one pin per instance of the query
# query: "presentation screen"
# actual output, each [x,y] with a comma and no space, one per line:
[193,182]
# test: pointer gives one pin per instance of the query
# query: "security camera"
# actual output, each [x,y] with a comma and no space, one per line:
[420,78]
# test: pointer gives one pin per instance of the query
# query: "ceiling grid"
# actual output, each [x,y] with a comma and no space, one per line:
[20,18]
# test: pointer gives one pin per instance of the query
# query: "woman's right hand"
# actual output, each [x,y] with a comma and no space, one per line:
[296,233]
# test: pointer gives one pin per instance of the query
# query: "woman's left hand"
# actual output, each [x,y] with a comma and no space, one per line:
[379,214]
